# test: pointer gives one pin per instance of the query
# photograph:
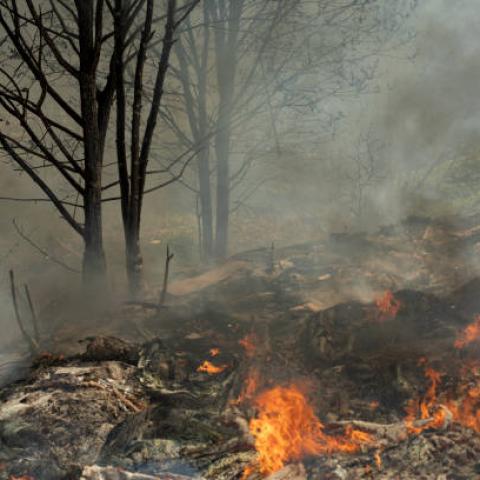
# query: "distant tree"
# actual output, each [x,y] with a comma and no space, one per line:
[254,75]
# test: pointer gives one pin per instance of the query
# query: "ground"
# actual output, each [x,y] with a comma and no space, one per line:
[356,322]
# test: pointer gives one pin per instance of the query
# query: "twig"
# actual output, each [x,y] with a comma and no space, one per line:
[163,293]
[33,345]
[44,253]
[33,313]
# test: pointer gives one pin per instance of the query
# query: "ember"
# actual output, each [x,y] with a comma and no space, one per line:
[248,342]
[387,305]
[210,368]
[287,429]
[214,352]
[470,334]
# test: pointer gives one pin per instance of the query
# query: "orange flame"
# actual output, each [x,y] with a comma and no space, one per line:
[388,305]
[210,368]
[248,342]
[214,352]
[287,429]
[470,334]
[428,408]
[378,460]
[465,410]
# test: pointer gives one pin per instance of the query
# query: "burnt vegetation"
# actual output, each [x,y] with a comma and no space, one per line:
[238,246]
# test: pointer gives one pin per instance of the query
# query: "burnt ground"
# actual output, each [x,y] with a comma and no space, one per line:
[128,400]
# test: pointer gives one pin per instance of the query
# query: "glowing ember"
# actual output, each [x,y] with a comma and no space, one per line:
[388,305]
[210,368]
[214,352]
[287,429]
[378,459]
[470,334]
[248,342]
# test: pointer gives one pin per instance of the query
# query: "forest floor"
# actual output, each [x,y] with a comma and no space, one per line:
[353,357]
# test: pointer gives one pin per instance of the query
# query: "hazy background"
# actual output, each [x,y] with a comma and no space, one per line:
[406,145]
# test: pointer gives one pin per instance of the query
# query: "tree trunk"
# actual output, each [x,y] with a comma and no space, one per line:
[94,265]
[226,45]
[222,149]
[134,260]
[206,212]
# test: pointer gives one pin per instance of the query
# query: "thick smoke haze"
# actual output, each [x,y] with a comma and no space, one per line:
[403,146]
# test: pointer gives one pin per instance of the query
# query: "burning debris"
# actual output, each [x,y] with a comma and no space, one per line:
[210,368]
[388,306]
[286,429]
[470,334]
[296,394]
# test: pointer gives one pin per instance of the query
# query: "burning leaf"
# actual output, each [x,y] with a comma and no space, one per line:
[388,305]
[470,334]
[287,429]
[210,368]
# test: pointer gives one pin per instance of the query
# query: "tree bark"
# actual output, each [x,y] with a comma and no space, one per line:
[206,210]
[94,265]
[226,45]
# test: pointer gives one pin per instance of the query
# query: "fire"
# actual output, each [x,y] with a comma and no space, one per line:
[214,352]
[248,342]
[250,387]
[470,334]
[428,408]
[210,368]
[287,429]
[464,409]
[378,460]
[388,305]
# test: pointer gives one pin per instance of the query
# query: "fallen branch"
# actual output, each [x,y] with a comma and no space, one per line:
[395,432]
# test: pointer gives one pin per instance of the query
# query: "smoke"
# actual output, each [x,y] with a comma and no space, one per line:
[429,116]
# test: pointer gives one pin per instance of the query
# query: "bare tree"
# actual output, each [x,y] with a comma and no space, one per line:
[67,64]
[228,33]
[258,74]
[133,161]
[54,92]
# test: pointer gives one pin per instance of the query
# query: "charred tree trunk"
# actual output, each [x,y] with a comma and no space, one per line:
[132,177]
[94,265]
